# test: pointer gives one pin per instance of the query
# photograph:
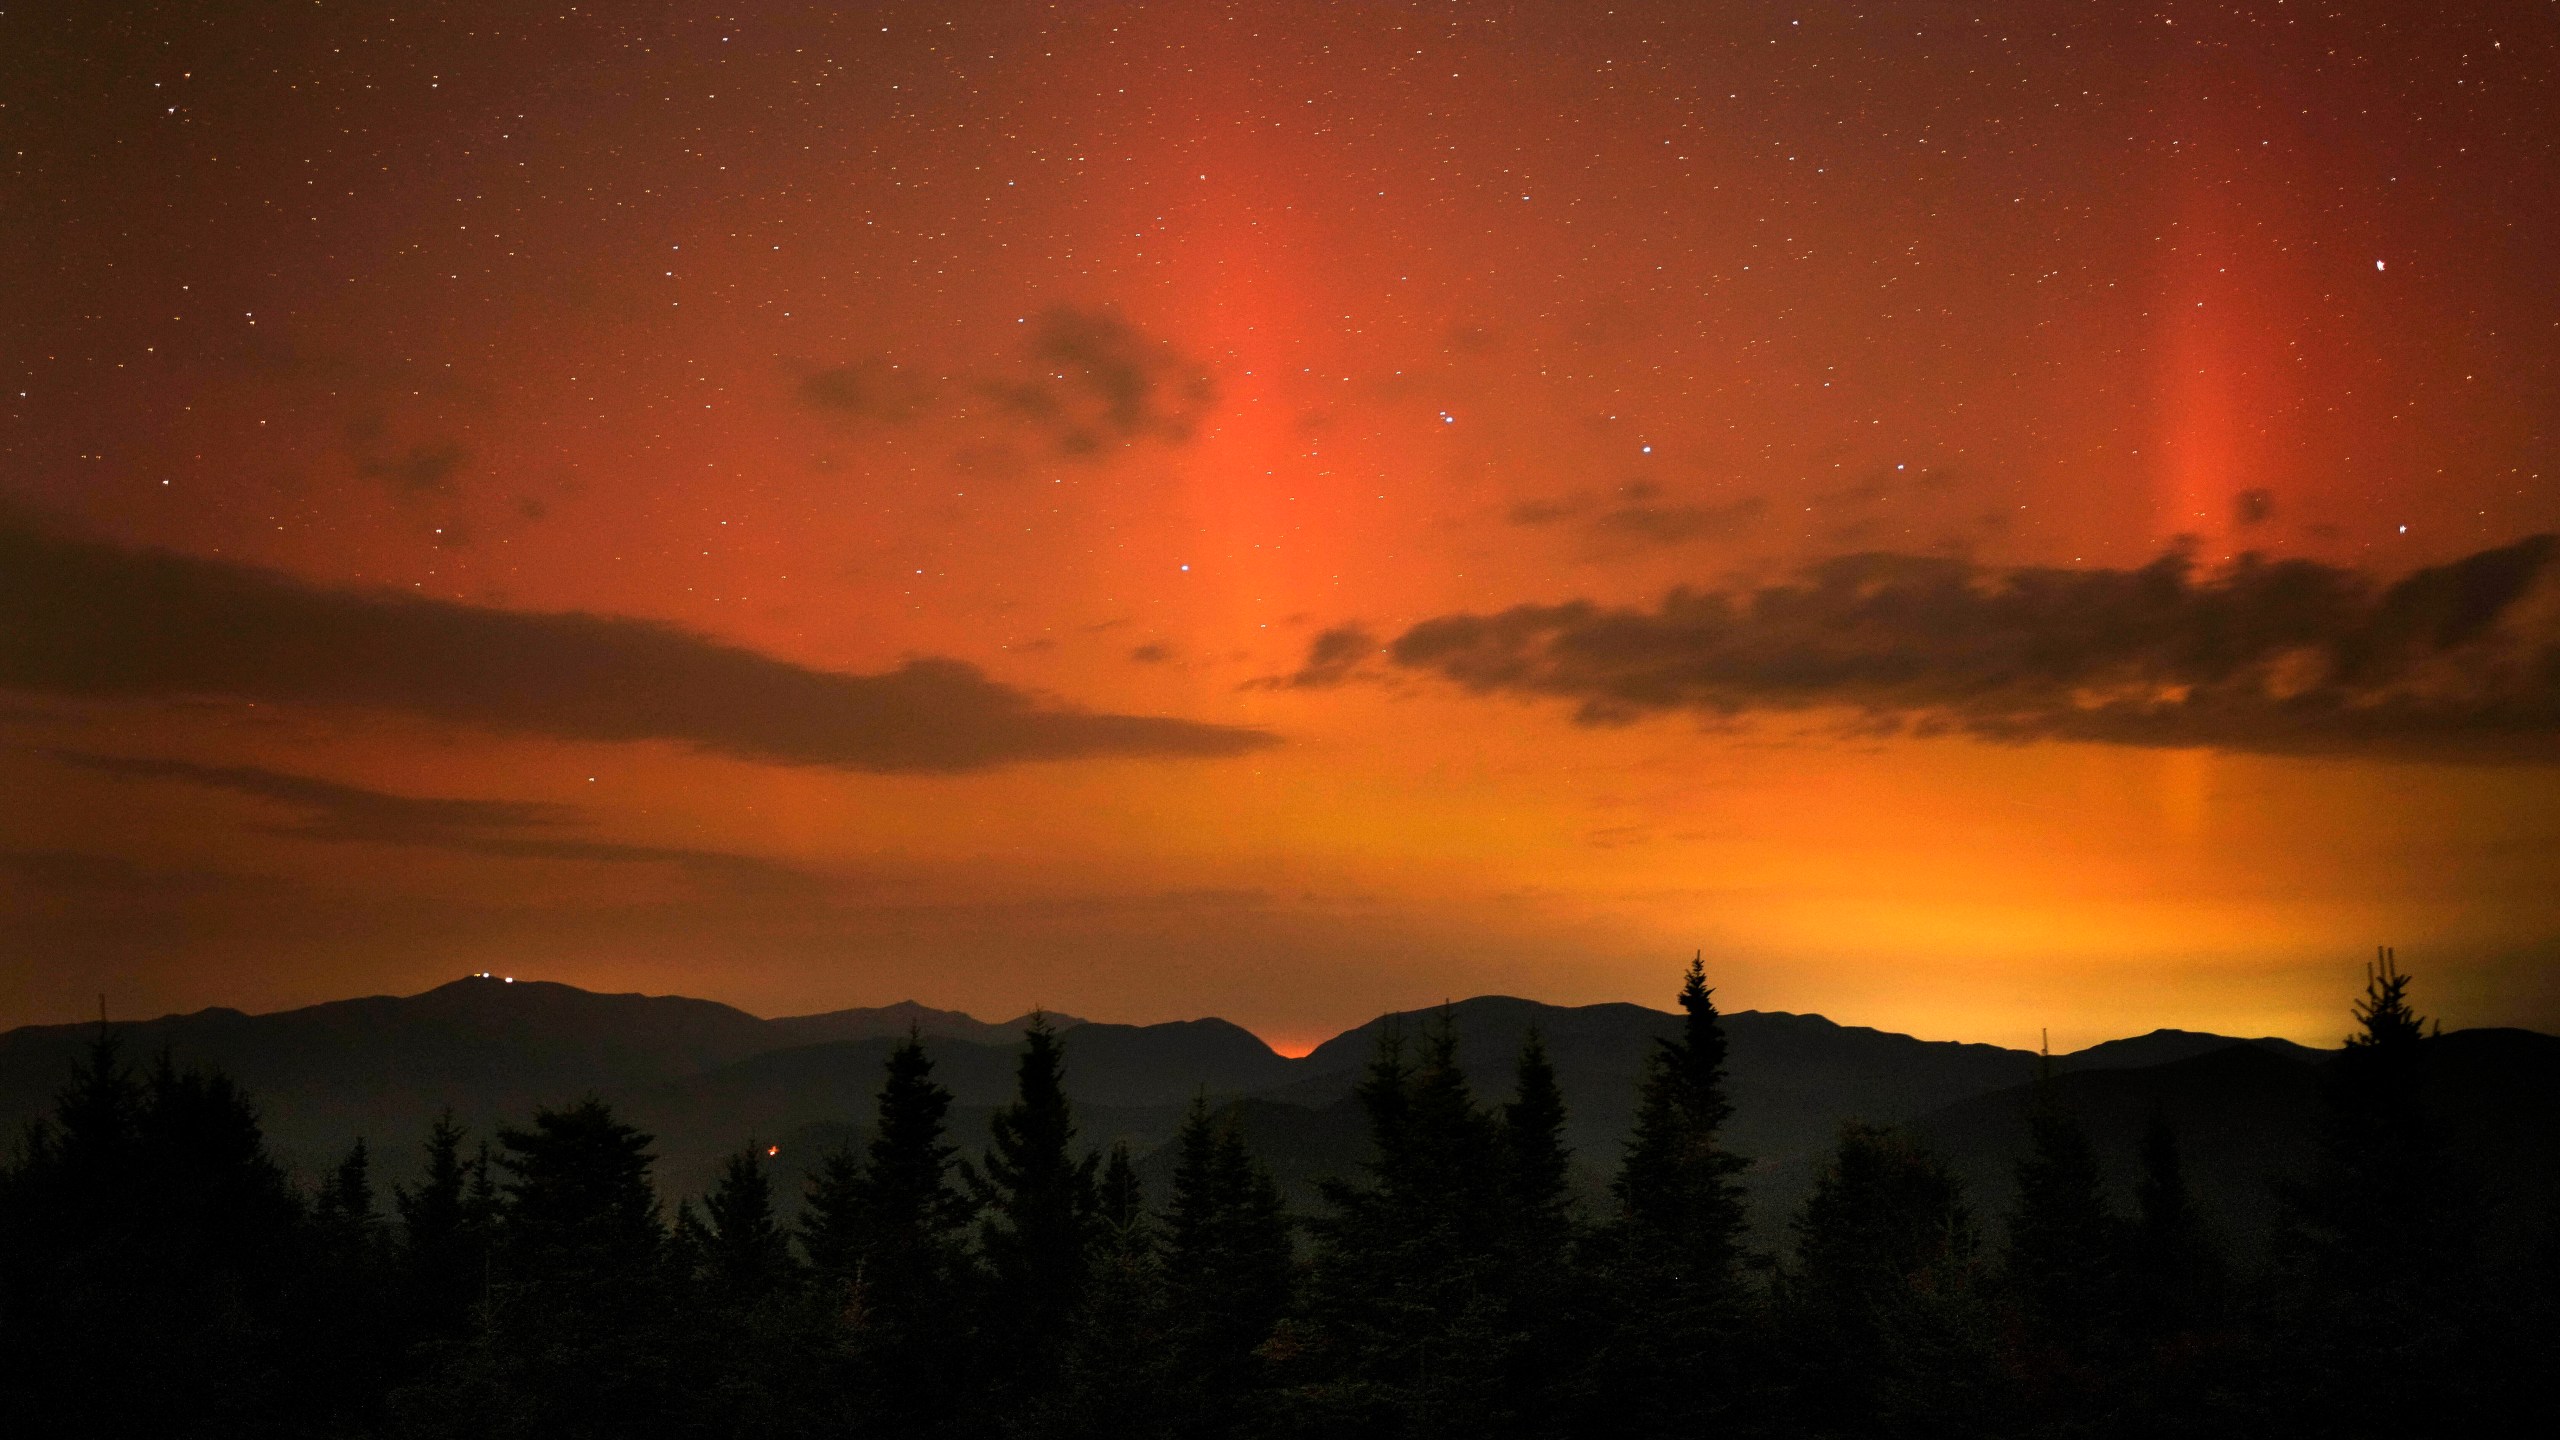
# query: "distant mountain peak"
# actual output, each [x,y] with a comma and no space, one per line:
[2167,1046]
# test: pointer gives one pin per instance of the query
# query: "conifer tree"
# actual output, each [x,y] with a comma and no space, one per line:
[1258,1256]
[1541,1167]
[1121,1203]
[2383,1235]
[481,1201]
[2376,1215]
[1036,1226]
[223,1226]
[1671,1259]
[887,1224]
[155,1263]
[1885,1327]
[442,1259]
[1408,1311]
[746,1254]
[1676,1186]
[582,1327]
[2065,1251]
[346,1199]
[2063,1271]
[1548,1325]
[358,1331]
[688,1253]
[1119,1377]
[2177,1272]
[70,1208]
[884,1231]
[832,1226]
[754,1358]
[580,1210]
[97,1121]
[1227,1269]
[1194,1214]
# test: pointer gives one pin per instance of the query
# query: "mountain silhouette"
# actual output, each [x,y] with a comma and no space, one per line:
[707,1078]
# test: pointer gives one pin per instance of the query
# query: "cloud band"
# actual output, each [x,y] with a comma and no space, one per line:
[2459,661]
[87,619]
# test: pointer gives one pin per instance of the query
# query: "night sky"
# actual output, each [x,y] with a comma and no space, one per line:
[1981,517]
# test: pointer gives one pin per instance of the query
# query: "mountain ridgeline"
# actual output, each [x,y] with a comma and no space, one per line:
[521,1208]
[704,1078]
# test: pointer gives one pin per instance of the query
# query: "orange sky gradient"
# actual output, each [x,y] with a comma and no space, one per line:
[1123,351]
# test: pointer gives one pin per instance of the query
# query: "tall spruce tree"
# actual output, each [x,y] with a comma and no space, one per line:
[2376,1212]
[1226,1269]
[359,1331]
[760,1354]
[2182,1353]
[1885,1327]
[889,1221]
[1408,1314]
[1673,1255]
[1121,1200]
[156,1264]
[2063,1272]
[2382,1245]
[1257,1256]
[746,1255]
[346,1197]
[832,1225]
[2065,1251]
[443,1253]
[582,1328]
[1542,1285]
[580,1211]
[1037,1223]
[1540,1170]
[885,1232]
[1119,1377]
[1676,1187]
[2177,1278]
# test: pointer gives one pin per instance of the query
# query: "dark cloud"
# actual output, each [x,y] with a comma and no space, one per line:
[59,873]
[868,390]
[1332,655]
[415,470]
[1549,512]
[2460,661]
[419,469]
[2253,507]
[516,829]
[1087,382]
[1647,524]
[1637,518]
[1152,653]
[1096,381]
[345,812]
[81,618]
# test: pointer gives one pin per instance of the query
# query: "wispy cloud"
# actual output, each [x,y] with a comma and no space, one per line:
[519,829]
[82,618]
[1086,381]
[1637,517]
[1332,656]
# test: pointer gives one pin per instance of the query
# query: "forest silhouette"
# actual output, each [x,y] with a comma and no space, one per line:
[162,1274]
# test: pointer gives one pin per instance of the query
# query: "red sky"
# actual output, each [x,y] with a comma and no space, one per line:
[1210,364]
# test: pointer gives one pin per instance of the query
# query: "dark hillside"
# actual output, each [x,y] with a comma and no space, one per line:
[384,1065]
[1793,1078]
[2247,1117]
